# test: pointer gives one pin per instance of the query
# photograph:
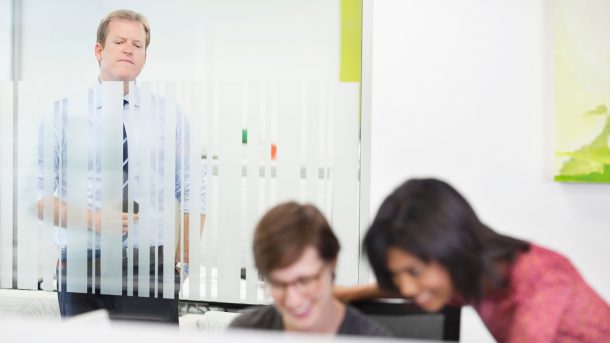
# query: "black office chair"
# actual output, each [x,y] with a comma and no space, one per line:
[405,320]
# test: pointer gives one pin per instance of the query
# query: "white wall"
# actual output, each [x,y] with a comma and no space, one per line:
[463,90]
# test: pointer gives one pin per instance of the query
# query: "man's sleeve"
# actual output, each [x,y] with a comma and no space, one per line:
[47,122]
[183,162]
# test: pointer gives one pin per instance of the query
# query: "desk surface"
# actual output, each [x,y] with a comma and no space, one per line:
[101,330]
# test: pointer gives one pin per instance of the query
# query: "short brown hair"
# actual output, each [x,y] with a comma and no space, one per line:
[286,230]
[102,29]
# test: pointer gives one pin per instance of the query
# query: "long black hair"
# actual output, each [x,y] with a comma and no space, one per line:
[431,220]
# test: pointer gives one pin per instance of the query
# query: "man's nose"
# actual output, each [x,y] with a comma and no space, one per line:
[292,296]
[127,49]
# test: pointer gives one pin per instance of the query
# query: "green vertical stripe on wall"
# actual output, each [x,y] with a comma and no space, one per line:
[351,41]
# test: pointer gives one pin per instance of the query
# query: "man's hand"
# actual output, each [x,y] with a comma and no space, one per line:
[125,221]
[94,221]
[183,268]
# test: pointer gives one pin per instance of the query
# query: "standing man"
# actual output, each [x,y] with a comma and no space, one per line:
[123,37]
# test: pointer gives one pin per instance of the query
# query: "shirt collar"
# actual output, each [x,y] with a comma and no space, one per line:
[133,96]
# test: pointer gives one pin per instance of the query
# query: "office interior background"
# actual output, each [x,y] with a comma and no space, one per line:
[461,90]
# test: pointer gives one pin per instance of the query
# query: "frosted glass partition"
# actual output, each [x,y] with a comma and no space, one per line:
[227,39]
[6,184]
[288,142]
[108,182]
[6,48]
[28,248]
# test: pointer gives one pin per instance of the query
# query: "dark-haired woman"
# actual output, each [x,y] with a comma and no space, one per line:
[427,244]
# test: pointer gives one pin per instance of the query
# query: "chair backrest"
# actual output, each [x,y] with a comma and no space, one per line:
[405,320]
[401,317]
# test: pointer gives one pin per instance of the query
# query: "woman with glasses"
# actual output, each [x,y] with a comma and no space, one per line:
[296,252]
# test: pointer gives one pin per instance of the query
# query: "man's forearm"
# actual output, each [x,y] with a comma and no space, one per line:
[58,207]
[182,251]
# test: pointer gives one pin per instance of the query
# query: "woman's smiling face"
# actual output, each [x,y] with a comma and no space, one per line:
[427,283]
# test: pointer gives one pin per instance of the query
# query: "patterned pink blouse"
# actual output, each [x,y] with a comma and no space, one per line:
[546,301]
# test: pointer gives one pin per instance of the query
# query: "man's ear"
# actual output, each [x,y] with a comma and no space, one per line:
[98,52]
[333,265]
[333,268]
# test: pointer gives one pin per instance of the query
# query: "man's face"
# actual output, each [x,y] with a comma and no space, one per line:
[302,292]
[124,53]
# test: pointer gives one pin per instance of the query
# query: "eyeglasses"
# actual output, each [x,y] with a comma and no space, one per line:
[307,284]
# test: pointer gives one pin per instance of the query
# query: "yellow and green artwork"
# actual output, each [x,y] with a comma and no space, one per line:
[582,91]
